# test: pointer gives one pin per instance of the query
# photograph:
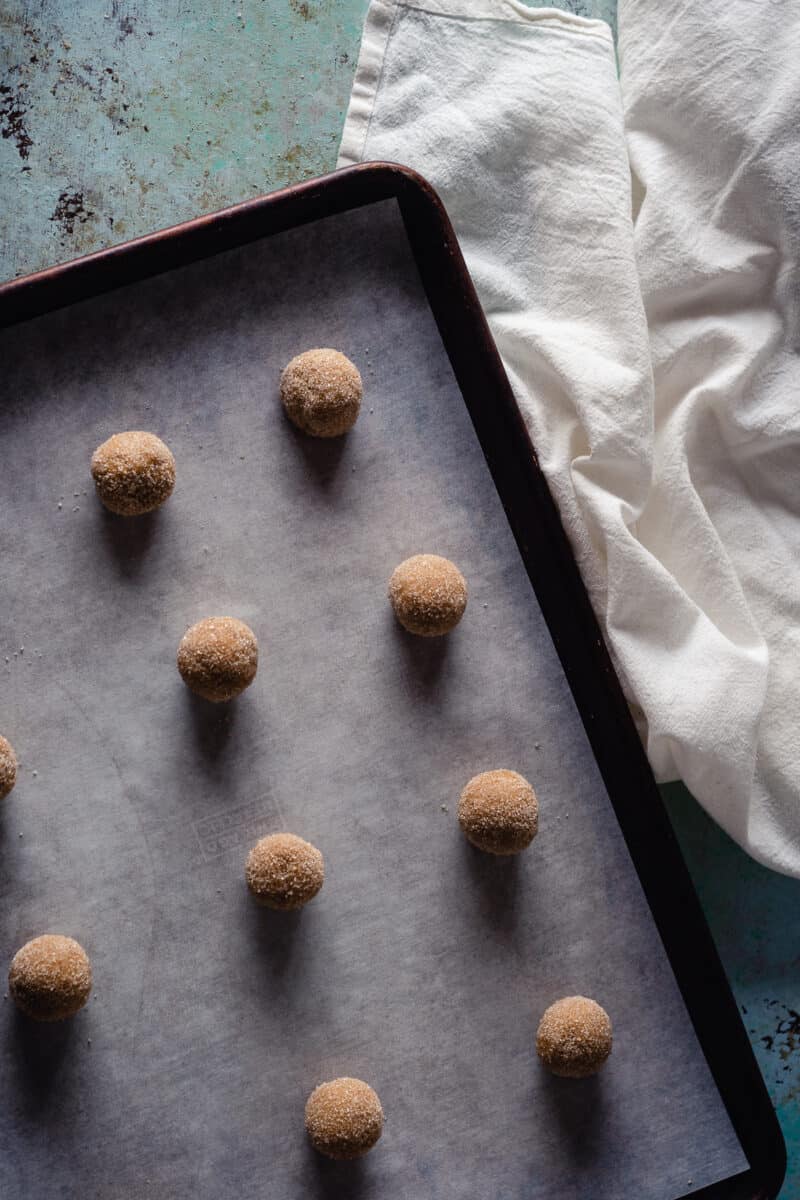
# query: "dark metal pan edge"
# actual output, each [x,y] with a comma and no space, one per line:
[548,560]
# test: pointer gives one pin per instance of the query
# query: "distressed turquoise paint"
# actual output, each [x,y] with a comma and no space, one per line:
[139,115]
[124,118]
[135,115]
[754,916]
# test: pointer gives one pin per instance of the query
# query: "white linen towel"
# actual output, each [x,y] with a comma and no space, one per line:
[651,335]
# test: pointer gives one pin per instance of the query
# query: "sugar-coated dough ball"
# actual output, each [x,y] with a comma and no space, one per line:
[8,768]
[218,658]
[50,977]
[574,1037]
[498,811]
[321,391]
[284,872]
[344,1118]
[133,473]
[428,594]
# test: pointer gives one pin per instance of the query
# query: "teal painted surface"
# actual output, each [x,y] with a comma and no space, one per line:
[754,916]
[119,118]
[122,118]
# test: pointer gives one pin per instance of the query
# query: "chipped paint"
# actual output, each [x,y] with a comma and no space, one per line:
[785,1040]
[70,210]
[12,118]
[302,9]
[754,917]
[152,122]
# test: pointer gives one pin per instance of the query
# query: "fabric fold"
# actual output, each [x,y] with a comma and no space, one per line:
[643,356]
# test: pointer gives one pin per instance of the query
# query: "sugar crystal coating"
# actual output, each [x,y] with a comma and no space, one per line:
[321,391]
[574,1037]
[50,977]
[283,871]
[344,1118]
[428,594]
[8,768]
[218,658]
[499,812]
[133,472]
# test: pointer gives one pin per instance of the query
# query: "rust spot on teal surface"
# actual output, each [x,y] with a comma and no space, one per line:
[301,8]
[69,211]
[296,163]
[13,111]
[299,156]
[262,97]
[222,98]
[785,1041]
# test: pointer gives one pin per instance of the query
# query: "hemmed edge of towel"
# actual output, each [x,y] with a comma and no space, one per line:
[377,32]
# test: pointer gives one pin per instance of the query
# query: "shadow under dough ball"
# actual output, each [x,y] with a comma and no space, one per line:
[8,768]
[498,812]
[428,594]
[574,1037]
[133,473]
[50,977]
[284,872]
[218,658]
[344,1118]
[321,391]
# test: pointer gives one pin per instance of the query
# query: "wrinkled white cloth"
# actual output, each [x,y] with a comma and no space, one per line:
[651,334]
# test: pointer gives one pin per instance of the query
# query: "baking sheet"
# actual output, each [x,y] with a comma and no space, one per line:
[423,966]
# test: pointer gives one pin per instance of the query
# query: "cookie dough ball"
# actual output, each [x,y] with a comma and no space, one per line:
[284,872]
[498,811]
[428,594]
[50,977]
[574,1038]
[321,392]
[8,768]
[344,1118]
[133,473]
[218,658]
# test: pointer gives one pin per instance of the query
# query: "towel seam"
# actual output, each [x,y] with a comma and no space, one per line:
[555,23]
[379,80]
[380,27]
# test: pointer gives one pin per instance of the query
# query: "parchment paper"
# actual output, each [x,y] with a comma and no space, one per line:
[423,966]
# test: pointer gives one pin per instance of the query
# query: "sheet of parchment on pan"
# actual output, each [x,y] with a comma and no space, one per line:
[423,966]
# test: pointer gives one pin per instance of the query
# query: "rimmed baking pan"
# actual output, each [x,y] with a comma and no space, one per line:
[422,966]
